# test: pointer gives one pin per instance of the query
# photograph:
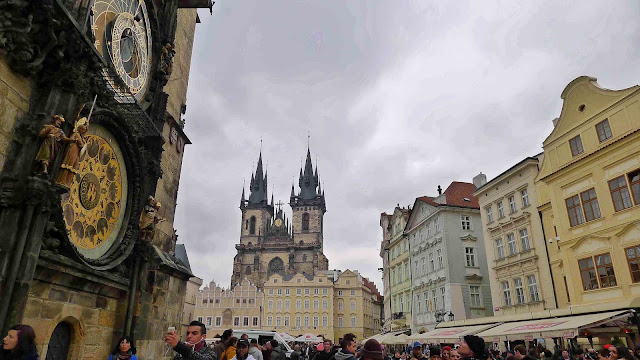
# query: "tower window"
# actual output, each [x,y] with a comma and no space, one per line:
[248,272]
[252,225]
[305,222]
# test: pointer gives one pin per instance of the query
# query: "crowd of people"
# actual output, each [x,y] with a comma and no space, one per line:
[19,344]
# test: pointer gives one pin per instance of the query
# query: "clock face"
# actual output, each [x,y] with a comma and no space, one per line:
[122,35]
[278,222]
[173,136]
[94,207]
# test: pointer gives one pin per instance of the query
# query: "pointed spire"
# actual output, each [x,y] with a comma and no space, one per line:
[258,185]
[319,185]
[293,194]
[308,180]
[272,199]
[243,198]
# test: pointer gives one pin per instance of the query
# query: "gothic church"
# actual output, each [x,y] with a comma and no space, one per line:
[270,243]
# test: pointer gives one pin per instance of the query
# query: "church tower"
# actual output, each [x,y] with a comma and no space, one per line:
[256,211]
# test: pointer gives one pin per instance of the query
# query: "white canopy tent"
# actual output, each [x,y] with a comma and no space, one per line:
[308,338]
[286,337]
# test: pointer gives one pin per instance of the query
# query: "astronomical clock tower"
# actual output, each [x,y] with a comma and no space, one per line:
[91,148]
[271,243]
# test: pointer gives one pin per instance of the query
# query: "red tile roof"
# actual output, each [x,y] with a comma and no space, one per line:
[455,195]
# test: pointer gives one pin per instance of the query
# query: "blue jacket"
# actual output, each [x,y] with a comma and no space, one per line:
[133,357]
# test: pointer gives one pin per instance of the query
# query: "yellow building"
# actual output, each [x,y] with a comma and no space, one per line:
[400,273]
[588,192]
[514,241]
[357,306]
[299,304]
[237,308]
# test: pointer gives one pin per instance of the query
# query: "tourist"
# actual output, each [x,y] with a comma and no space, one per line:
[326,352]
[445,352]
[548,355]
[254,349]
[231,349]
[348,348]
[372,350]
[266,350]
[244,336]
[603,354]
[276,351]
[416,351]
[520,352]
[566,355]
[19,344]
[454,355]
[620,352]
[123,350]
[295,354]
[434,353]
[222,345]
[472,347]
[242,350]
[194,348]
[397,355]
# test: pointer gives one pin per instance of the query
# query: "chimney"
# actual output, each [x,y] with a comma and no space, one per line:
[479,180]
[555,122]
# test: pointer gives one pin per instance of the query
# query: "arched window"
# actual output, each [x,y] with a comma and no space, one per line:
[276,266]
[248,272]
[305,222]
[252,225]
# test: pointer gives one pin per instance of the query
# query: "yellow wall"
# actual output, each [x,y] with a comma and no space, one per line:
[244,300]
[564,175]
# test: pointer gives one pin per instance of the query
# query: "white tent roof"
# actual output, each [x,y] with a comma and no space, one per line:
[310,338]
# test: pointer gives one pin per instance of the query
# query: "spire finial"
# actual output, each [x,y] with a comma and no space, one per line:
[260,144]
[308,139]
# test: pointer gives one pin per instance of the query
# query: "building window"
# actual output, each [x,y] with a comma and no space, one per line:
[245,321]
[524,240]
[634,179]
[604,130]
[517,282]
[470,256]
[432,264]
[270,305]
[424,265]
[406,271]
[306,321]
[599,276]
[305,222]
[278,321]
[316,304]
[500,210]
[353,293]
[252,225]
[340,321]
[279,305]
[287,291]
[287,304]
[316,321]
[466,222]
[434,300]
[286,321]
[439,256]
[340,305]
[279,290]
[307,291]
[474,291]
[339,292]
[417,267]
[620,193]
[533,288]
[325,291]
[590,204]
[512,204]
[489,215]
[306,304]
[218,321]
[437,222]
[269,320]
[500,248]
[574,210]
[298,322]
[442,296]
[353,305]
[254,321]
[325,321]
[236,321]
[316,291]
[325,304]
[525,197]
[353,322]
[511,241]
[633,259]
[506,293]
[576,146]
[298,304]
[298,291]
[209,320]
[418,302]
[200,318]
[270,291]
[428,230]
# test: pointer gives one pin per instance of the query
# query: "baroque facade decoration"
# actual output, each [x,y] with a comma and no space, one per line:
[450,277]
[74,266]
[272,244]
[514,241]
[588,193]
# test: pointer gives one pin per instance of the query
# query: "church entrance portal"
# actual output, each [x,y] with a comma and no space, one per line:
[59,343]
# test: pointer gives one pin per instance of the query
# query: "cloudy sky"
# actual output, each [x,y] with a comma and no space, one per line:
[398,97]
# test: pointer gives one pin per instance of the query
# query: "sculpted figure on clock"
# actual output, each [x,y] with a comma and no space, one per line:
[53,137]
[77,146]
[149,219]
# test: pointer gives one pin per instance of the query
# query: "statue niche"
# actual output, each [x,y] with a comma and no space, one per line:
[276,266]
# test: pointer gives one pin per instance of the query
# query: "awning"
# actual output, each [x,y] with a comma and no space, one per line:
[454,334]
[567,327]
[379,337]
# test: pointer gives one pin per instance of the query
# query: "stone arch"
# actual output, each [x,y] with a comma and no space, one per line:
[276,266]
[76,339]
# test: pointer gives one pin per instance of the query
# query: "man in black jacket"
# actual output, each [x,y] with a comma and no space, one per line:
[348,350]
[326,352]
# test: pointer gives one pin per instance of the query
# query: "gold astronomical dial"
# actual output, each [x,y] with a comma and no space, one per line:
[122,35]
[278,222]
[94,207]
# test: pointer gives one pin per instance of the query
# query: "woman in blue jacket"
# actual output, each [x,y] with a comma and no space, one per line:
[124,350]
